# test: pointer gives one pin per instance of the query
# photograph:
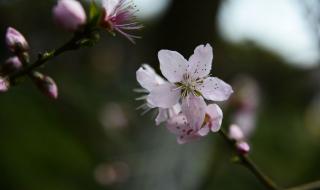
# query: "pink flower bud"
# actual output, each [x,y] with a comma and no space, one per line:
[46,85]
[11,65]
[235,133]
[69,15]
[243,147]
[16,41]
[4,85]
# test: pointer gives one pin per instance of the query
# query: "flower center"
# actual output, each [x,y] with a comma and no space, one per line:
[189,85]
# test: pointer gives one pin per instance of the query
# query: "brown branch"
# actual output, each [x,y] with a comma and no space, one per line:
[250,165]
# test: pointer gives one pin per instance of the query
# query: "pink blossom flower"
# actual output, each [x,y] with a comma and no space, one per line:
[188,77]
[119,15]
[16,41]
[148,79]
[196,127]
[189,84]
[69,15]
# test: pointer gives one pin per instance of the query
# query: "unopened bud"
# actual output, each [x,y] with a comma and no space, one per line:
[16,41]
[242,147]
[46,85]
[235,133]
[69,15]
[4,85]
[11,65]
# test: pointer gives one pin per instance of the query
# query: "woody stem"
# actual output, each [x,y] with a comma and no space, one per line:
[250,165]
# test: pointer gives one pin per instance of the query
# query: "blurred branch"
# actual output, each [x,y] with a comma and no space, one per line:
[85,38]
[264,179]
[250,165]
[309,186]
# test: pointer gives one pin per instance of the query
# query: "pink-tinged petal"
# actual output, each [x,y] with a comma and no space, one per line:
[204,130]
[15,40]
[110,7]
[194,108]
[119,15]
[215,89]
[148,78]
[69,15]
[178,125]
[164,96]
[172,65]
[216,115]
[236,133]
[187,139]
[201,61]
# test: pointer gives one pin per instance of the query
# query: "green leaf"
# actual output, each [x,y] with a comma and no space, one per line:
[94,13]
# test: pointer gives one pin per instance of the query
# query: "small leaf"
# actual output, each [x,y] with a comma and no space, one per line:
[86,43]
[94,13]
[235,159]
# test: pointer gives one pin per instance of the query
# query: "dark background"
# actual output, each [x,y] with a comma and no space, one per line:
[92,137]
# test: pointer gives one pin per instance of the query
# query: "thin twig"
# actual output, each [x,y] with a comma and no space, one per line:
[72,44]
[248,163]
[309,186]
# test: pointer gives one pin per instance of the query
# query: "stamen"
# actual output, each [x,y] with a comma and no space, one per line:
[142,97]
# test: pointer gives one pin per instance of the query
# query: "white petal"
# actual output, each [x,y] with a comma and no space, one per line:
[204,131]
[167,113]
[148,78]
[175,110]
[172,65]
[110,6]
[201,61]
[164,96]
[215,89]
[216,115]
[162,116]
[194,108]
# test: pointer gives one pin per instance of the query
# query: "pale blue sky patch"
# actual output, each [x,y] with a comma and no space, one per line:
[278,25]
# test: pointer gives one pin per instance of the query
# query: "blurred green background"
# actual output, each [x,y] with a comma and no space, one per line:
[93,137]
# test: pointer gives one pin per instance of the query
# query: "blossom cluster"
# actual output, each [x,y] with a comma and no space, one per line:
[18,46]
[184,98]
[113,15]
